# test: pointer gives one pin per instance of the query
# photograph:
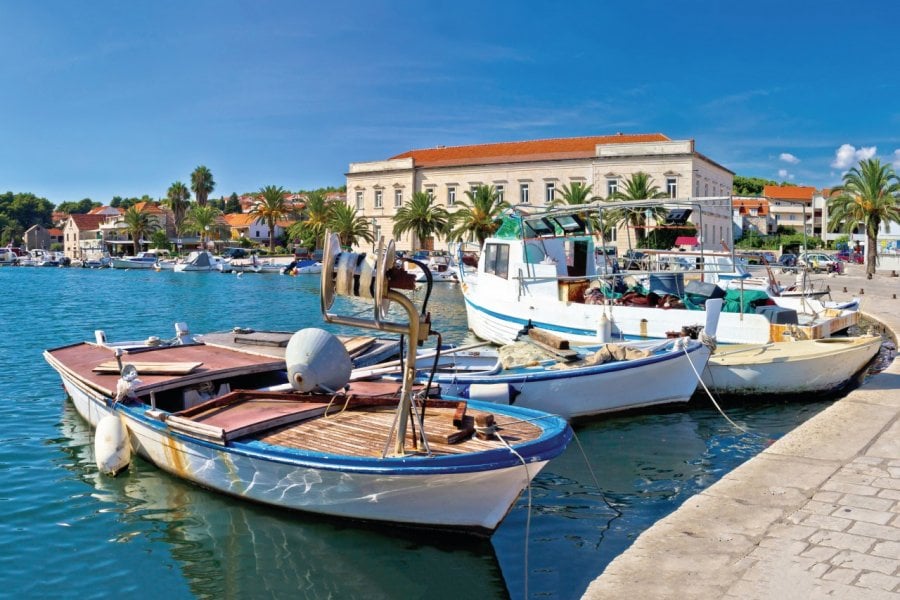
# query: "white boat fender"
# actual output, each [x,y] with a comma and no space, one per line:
[604,328]
[112,447]
[317,359]
[498,393]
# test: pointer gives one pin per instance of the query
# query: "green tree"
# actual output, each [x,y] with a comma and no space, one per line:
[868,196]
[233,205]
[202,184]
[159,239]
[421,216]
[202,219]
[138,224]
[351,227]
[314,219]
[77,208]
[639,186]
[271,206]
[479,217]
[178,200]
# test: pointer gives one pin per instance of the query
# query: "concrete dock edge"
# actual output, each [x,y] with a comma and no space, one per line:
[815,515]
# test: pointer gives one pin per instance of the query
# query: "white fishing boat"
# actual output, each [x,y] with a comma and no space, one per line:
[97,261]
[378,451]
[202,261]
[440,266]
[539,270]
[306,266]
[142,260]
[570,382]
[798,367]
[8,257]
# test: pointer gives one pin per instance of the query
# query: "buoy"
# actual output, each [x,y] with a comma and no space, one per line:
[317,359]
[112,448]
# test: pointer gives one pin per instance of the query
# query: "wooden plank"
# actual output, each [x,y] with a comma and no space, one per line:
[548,338]
[149,368]
[568,355]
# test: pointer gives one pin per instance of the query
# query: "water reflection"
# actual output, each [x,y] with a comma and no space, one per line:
[228,548]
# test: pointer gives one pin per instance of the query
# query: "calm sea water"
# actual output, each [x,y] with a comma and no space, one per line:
[67,531]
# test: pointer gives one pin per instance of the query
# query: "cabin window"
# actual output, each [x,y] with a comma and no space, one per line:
[496,260]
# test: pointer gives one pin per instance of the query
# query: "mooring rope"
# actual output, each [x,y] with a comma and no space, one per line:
[493,429]
[708,393]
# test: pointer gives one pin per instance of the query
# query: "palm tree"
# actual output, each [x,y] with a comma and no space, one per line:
[577,193]
[348,225]
[639,186]
[202,219]
[272,207]
[868,197]
[138,224]
[313,220]
[202,183]
[178,200]
[421,217]
[479,217]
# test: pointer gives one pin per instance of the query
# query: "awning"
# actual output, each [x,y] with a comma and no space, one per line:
[686,240]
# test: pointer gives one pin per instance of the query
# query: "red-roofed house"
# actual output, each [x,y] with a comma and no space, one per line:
[752,214]
[792,206]
[253,228]
[82,235]
[532,172]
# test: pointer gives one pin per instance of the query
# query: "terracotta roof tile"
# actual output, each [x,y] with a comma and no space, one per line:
[789,192]
[88,222]
[240,219]
[559,148]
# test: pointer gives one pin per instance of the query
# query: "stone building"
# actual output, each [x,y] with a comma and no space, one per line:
[532,173]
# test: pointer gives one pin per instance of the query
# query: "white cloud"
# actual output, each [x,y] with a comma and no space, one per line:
[783,173]
[896,161]
[788,158]
[847,155]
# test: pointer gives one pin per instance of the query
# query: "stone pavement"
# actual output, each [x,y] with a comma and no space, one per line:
[815,515]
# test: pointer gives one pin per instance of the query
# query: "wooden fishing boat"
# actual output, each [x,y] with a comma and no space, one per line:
[378,451]
[799,367]
[571,381]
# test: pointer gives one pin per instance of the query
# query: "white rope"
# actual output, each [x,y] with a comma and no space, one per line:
[708,393]
[493,429]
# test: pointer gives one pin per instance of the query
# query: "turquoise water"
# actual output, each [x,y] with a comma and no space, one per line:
[68,532]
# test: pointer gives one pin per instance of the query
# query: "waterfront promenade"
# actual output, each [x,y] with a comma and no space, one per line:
[815,515]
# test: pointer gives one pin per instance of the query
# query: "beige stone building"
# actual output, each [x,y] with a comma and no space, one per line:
[532,173]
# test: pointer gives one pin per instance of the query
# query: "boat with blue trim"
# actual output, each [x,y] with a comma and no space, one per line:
[295,432]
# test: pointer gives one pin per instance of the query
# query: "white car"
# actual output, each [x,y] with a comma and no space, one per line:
[819,261]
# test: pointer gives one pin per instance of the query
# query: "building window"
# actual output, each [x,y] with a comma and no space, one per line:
[551,192]
[359,200]
[672,187]
[376,230]
[501,190]
[523,193]
[612,186]
[430,193]
[398,197]
[378,199]
[496,260]
[696,189]
[451,196]
[705,190]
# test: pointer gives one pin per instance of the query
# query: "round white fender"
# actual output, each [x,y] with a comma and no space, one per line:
[112,448]
[498,393]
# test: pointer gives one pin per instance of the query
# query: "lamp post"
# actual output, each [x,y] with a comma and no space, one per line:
[206,242]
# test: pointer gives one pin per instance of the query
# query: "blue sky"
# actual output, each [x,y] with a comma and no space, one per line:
[124,98]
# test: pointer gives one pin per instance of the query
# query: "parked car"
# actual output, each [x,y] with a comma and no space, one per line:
[770,257]
[787,262]
[235,253]
[819,261]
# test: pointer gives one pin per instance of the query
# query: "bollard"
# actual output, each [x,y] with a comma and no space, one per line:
[893,296]
[845,289]
[893,273]
[861,291]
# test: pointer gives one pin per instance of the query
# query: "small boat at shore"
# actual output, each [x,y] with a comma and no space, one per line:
[142,260]
[307,438]
[557,378]
[796,367]
[202,261]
